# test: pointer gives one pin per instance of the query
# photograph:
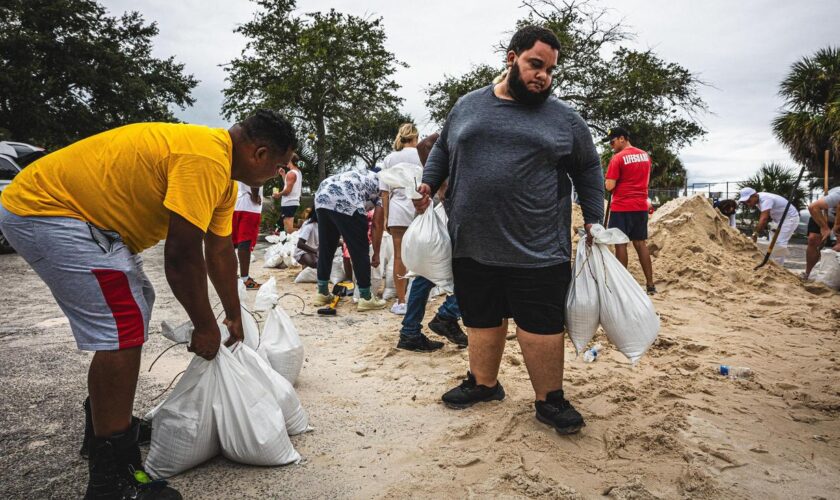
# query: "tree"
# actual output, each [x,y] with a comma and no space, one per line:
[324,70]
[371,137]
[656,100]
[68,71]
[811,123]
[776,178]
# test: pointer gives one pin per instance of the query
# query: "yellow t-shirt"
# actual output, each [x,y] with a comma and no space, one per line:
[128,179]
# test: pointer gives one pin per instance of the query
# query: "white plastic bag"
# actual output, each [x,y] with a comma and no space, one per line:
[583,305]
[827,269]
[296,419]
[183,428]
[403,175]
[386,263]
[281,345]
[626,312]
[337,273]
[267,296]
[249,328]
[427,250]
[180,333]
[249,421]
[308,275]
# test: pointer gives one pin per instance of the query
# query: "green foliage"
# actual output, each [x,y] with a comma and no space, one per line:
[371,137]
[329,72]
[776,178]
[656,100]
[811,122]
[68,71]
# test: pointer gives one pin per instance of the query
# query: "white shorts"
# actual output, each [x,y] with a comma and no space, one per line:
[401,210]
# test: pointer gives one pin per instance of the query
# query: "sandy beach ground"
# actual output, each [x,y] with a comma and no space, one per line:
[670,427]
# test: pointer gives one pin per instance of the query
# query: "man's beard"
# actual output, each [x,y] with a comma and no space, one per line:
[520,92]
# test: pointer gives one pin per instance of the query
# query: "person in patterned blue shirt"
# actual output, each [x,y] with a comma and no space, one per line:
[340,205]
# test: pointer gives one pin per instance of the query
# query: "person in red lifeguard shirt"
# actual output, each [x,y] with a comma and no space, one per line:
[627,179]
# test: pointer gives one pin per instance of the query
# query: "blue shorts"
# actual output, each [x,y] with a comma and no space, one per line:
[289,211]
[633,224]
[96,280]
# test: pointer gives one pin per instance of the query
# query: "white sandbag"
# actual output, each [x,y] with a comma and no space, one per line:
[267,296]
[441,213]
[337,273]
[386,259]
[180,333]
[403,175]
[281,346]
[308,275]
[827,269]
[249,421]
[183,427]
[296,419]
[626,312]
[613,236]
[249,328]
[583,305]
[427,250]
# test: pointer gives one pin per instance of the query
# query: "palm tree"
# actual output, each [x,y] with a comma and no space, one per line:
[811,122]
[776,178]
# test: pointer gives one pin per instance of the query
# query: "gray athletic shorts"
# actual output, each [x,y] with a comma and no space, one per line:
[98,283]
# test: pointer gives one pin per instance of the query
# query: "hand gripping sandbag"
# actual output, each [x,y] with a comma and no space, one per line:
[249,421]
[281,346]
[296,419]
[583,305]
[267,296]
[427,250]
[183,428]
[626,312]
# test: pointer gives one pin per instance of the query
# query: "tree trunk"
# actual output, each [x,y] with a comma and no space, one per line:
[321,147]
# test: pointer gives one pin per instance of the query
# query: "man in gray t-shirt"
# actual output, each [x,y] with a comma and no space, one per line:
[510,153]
[823,223]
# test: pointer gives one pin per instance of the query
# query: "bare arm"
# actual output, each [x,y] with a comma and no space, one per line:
[763,219]
[385,196]
[306,248]
[609,184]
[290,181]
[186,272]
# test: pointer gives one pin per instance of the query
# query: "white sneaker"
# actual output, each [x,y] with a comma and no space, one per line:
[398,308]
[370,304]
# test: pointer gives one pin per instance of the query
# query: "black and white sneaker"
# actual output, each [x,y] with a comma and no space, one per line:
[557,412]
[470,393]
[450,329]
[419,343]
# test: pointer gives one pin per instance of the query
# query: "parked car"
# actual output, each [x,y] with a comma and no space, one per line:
[14,156]
[804,218]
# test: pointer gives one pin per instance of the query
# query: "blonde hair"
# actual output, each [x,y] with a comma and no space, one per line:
[408,133]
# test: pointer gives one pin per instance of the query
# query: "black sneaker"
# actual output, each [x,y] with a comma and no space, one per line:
[144,434]
[450,329]
[470,393]
[557,412]
[651,289]
[116,471]
[419,343]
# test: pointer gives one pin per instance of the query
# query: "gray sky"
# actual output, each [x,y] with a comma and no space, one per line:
[742,49]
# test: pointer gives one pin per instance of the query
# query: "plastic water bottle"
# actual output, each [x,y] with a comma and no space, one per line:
[592,353]
[734,372]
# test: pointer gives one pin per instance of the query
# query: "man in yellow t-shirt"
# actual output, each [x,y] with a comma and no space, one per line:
[81,216]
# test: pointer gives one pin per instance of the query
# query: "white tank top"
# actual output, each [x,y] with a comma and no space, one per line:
[293,198]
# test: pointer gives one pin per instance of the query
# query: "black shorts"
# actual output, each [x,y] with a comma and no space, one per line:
[633,224]
[289,211]
[534,297]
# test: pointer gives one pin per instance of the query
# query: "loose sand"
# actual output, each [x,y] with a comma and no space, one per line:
[669,427]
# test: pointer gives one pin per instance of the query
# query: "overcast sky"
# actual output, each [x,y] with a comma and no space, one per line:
[742,49]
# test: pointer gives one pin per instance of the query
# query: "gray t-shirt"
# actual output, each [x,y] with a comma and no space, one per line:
[509,167]
[833,199]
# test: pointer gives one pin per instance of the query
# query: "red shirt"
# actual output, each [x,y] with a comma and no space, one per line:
[630,168]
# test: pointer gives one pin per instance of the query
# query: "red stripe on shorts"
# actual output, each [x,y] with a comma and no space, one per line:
[126,312]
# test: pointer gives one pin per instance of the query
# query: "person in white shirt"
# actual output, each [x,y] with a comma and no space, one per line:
[290,196]
[306,253]
[246,229]
[772,207]
[824,222]
[399,209]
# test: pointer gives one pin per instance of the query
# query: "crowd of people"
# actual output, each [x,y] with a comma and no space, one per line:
[502,166]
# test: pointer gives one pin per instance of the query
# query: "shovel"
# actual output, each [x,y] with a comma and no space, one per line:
[784,217]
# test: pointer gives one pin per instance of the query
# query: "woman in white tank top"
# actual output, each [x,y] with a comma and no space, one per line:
[290,196]
[399,209]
